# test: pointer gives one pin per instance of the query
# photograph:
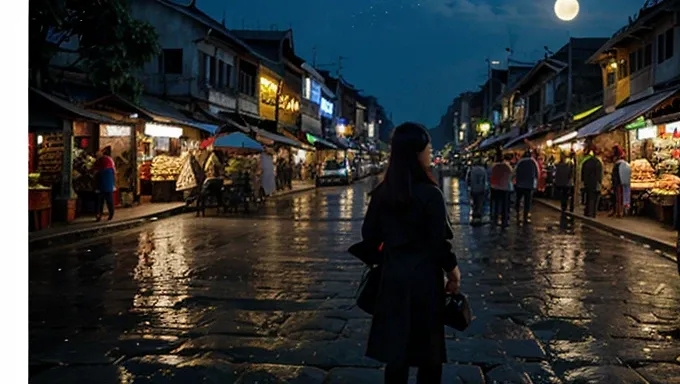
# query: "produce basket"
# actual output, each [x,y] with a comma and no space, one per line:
[663,200]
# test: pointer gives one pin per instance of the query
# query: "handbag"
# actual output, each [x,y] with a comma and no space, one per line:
[457,312]
[367,294]
[372,256]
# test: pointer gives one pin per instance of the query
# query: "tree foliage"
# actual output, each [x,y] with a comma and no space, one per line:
[111,45]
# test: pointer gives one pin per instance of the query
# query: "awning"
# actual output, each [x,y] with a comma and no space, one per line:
[165,113]
[317,141]
[518,142]
[237,140]
[473,146]
[499,139]
[71,109]
[300,144]
[623,115]
[276,138]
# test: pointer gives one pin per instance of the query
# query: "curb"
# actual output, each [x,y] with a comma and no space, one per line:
[667,249]
[80,234]
[286,193]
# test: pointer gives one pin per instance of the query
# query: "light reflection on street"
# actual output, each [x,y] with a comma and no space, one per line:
[162,274]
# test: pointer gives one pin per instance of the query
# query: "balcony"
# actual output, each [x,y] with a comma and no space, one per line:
[224,98]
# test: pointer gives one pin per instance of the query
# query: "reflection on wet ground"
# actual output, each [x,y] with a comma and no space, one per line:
[269,298]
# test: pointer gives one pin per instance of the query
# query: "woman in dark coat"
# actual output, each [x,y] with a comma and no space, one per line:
[408,215]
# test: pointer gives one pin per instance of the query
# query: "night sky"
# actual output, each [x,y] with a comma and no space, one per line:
[416,56]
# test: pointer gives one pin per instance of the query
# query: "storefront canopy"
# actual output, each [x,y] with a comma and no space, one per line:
[623,115]
[319,142]
[277,138]
[519,141]
[66,109]
[500,139]
[163,112]
[237,140]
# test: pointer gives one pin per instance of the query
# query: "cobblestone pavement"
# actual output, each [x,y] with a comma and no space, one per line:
[269,299]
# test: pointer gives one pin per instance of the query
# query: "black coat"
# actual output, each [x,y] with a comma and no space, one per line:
[408,325]
[592,173]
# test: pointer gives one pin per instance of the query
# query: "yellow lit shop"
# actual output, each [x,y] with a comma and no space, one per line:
[269,89]
[161,151]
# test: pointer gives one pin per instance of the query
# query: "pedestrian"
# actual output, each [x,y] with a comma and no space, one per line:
[526,176]
[105,169]
[501,182]
[477,182]
[407,214]
[591,174]
[564,181]
[620,182]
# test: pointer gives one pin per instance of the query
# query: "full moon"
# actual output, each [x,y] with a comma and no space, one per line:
[566,10]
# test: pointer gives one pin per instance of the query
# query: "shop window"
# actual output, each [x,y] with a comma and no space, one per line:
[632,57]
[611,78]
[229,73]
[661,48]
[212,80]
[170,62]
[221,75]
[648,55]
[641,58]
[623,69]
[246,78]
[670,41]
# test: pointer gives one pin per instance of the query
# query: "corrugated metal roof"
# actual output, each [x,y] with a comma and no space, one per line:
[624,114]
[72,108]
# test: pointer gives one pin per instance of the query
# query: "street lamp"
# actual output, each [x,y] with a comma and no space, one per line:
[566,10]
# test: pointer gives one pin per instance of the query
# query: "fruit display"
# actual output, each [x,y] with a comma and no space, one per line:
[642,172]
[165,168]
[51,158]
[34,182]
[191,175]
[668,166]
[667,185]
[145,170]
[213,167]
[83,173]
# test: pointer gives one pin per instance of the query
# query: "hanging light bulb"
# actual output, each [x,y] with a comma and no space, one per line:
[566,10]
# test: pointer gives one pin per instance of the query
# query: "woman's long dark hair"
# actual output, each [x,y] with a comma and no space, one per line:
[404,169]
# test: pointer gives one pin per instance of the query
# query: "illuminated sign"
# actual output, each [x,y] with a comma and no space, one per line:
[647,133]
[637,123]
[326,108]
[312,91]
[316,93]
[157,130]
[115,130]
[371,130]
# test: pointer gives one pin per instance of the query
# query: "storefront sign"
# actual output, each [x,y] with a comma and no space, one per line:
[157,130]
[326,108]
[115,130]
[312,91]
[671,127]
[638,123]
[371,130]
[647,133]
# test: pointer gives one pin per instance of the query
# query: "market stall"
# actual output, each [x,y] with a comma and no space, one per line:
[163,150]
[655,164]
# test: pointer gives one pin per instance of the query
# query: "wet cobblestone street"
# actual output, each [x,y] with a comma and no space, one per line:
[270,299]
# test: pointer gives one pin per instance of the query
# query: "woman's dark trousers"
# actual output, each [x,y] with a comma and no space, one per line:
[398,374]
[105,197]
